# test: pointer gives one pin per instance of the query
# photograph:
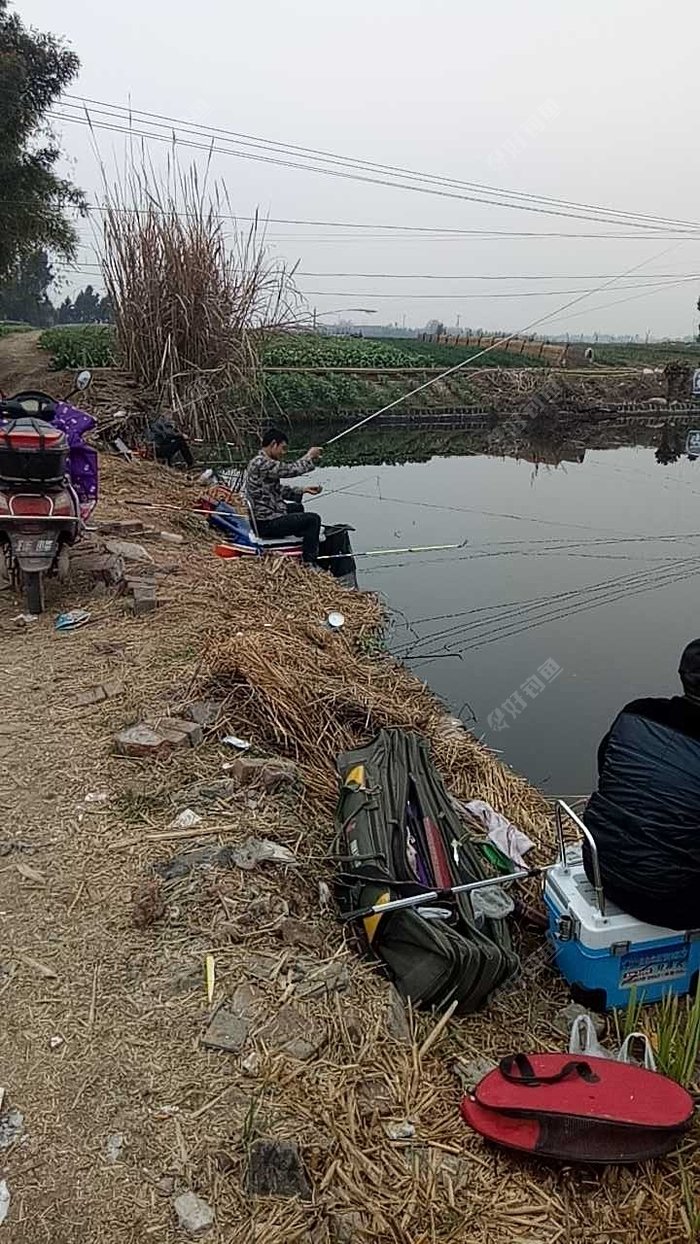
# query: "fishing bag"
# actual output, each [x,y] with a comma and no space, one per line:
[588,1110]
[398,834]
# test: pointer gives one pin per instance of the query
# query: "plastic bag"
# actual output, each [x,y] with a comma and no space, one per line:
[626,1055]
[583,1039]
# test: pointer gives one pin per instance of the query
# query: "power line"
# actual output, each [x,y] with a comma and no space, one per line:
[631,220]
[123,112]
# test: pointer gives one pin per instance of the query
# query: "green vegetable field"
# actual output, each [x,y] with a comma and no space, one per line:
[13,326]
[80,345]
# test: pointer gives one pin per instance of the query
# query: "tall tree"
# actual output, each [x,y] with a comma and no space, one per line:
[34,69]
[24,294]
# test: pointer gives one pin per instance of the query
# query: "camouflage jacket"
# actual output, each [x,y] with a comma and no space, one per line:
[265,493]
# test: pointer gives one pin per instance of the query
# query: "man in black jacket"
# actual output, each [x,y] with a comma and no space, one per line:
[645,814]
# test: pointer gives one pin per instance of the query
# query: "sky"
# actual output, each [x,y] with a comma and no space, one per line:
[593,104]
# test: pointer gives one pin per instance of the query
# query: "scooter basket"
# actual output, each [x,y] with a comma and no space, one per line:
[32,452]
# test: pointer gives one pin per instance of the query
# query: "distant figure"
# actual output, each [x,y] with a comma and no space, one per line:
[170,441]
[277,509]
[645,814]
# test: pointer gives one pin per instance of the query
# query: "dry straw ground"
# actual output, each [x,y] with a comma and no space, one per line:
[130,1003]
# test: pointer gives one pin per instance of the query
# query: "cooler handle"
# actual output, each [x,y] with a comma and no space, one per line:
[597,880]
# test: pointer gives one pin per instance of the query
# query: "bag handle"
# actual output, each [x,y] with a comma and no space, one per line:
[528,1076]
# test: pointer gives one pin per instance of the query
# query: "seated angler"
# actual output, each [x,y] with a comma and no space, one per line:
[276,508]
[645,814]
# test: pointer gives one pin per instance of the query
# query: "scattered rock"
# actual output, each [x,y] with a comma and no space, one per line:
[230,1024]
[127,550]
[169,537]
[56,1042]
[251,1063]
[7,846]
[93,695]
[566,1016]
[298,933]
[102,566]
[11,1127]
[209,856]
[210,791]
[187,819]
[470,1072]
[193,1214]
[204,712]
[155,740]
[4,1201]
[166,1185]
[325,979]
[397,1023]
[258,850]
[176,728]
[373,1096]
[346,1227]
[121,527]
[270,773]
[144,596]
[275,1169]
[448,1166]
[324,895]
[147,903]
[113,1148]
[400,1131]
[290,1033]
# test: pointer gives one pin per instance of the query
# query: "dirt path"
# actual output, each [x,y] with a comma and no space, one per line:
[101,1020]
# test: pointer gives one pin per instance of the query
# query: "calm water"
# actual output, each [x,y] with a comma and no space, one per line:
[543,545]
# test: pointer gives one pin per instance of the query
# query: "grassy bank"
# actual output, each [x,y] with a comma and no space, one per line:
[103,954]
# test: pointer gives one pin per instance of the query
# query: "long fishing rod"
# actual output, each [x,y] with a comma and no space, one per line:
[450,371]
[430,896]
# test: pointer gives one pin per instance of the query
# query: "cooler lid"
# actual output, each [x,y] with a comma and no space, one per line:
[572,894]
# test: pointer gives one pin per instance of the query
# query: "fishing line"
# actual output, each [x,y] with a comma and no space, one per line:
[531,625]
[650,587]
[544,605]
[500,342]
[512,626]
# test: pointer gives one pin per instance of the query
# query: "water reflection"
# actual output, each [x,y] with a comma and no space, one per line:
[583,553]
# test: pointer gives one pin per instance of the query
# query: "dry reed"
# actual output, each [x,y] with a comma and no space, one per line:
[189,298]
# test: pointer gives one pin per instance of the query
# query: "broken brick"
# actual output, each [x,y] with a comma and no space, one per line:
[93,695]
[104,566]
[143,740]
[121,527]
[179,730]
[204,712]
[270,773]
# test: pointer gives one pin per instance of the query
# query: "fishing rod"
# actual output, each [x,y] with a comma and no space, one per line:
[430,896]
[502,341]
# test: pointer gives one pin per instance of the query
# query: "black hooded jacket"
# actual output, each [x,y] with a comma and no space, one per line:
[645,815]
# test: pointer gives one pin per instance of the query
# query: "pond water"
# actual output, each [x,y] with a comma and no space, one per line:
[575,590]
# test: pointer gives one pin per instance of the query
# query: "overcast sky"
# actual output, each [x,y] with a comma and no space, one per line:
[594,103]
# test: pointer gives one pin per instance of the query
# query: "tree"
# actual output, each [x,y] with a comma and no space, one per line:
[87,308]
[34,69]
[24,293]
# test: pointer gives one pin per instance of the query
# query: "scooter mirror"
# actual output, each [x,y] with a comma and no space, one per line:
[83,379]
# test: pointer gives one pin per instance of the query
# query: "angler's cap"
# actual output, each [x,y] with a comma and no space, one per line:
[689,668]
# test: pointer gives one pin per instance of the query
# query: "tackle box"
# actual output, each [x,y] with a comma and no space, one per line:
[604,955]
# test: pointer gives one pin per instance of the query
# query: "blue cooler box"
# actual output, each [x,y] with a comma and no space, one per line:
[603,957]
